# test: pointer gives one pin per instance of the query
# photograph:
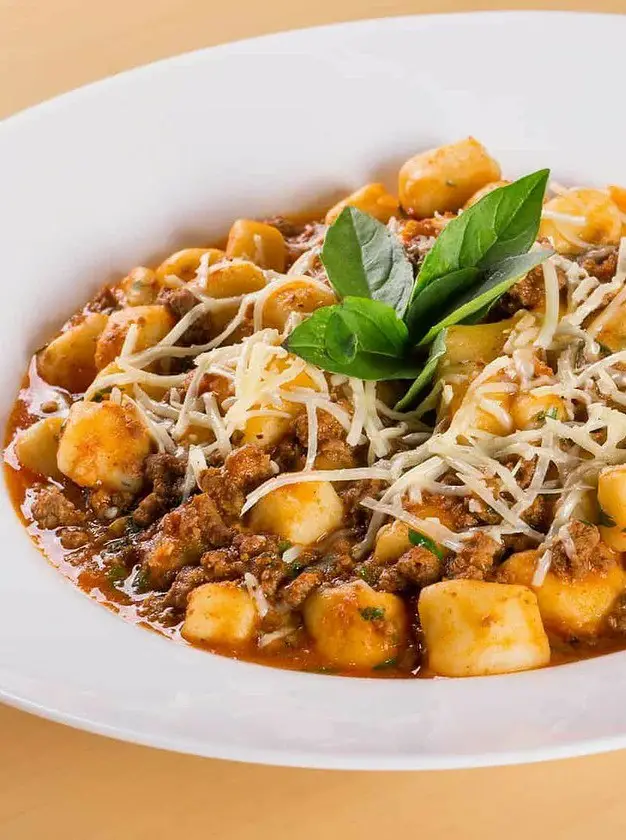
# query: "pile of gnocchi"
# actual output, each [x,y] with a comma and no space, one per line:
[201,473]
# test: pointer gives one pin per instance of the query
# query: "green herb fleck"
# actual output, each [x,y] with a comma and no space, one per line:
[117,573]
[415,538]
[366,574]
[100,395]
[552,413]
[606,520]
[372,613]
[386,663]
[141,582]
[283,545]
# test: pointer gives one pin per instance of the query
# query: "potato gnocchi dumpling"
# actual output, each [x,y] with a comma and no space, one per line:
[104,445]
[301,513]
[571,607]
[443,179]
[69,359]
[354,626]
[473,628]
[153,323]
[36,447]
[262,244]
[579,218]
[220,614]
[372,199]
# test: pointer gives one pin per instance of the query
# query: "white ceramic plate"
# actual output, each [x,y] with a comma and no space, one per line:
[127,170]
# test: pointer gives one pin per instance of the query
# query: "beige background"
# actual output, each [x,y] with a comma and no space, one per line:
[57,782]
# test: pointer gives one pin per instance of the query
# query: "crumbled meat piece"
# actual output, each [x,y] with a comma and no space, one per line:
[288,455]
[616,619]
[181,301]
[589,555]
[418,237]
[529,293]
[165,473]
[212,383]
[248,466]
[311,234]
[416,567]
[476,559]
[351,495]
[107,505]
[51,510]
[452,511]
[185,581]
[328,428]
[288,227]
[223,564]
[600,265]
[513,543]
[105,301]
[296,592]
[243,470]
[181,538]
[540,513]
[72,538]
[249,546]
[335,455]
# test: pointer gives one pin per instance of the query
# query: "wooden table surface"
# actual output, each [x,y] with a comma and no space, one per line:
[55,781]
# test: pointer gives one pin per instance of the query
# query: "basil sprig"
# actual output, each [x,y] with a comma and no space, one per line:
[364,259]
[386,315]
[358,337]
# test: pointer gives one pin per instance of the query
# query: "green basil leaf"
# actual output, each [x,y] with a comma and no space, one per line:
[364,259]
[502,224]
[435,300]
[358,337]
[494,284]
[437,350]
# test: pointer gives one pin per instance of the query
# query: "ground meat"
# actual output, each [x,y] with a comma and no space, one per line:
[181,301]
[452,511]
[476,559]
[589,555]
[418,236]
[296,592]
[222,564]
[328,428]
[243,470]
[529,293]
[105,301]
[351,495]
[181,538]
[600,264]
[71,538]
[335,455]
[249,546]
[616,619]
[51,509]
[248,466]
[333,452]
[309,235]
[185,581]
[165,474]
[212,383]
[288,227]
[288,455]
[416,567]
[540,514]
[107,506]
